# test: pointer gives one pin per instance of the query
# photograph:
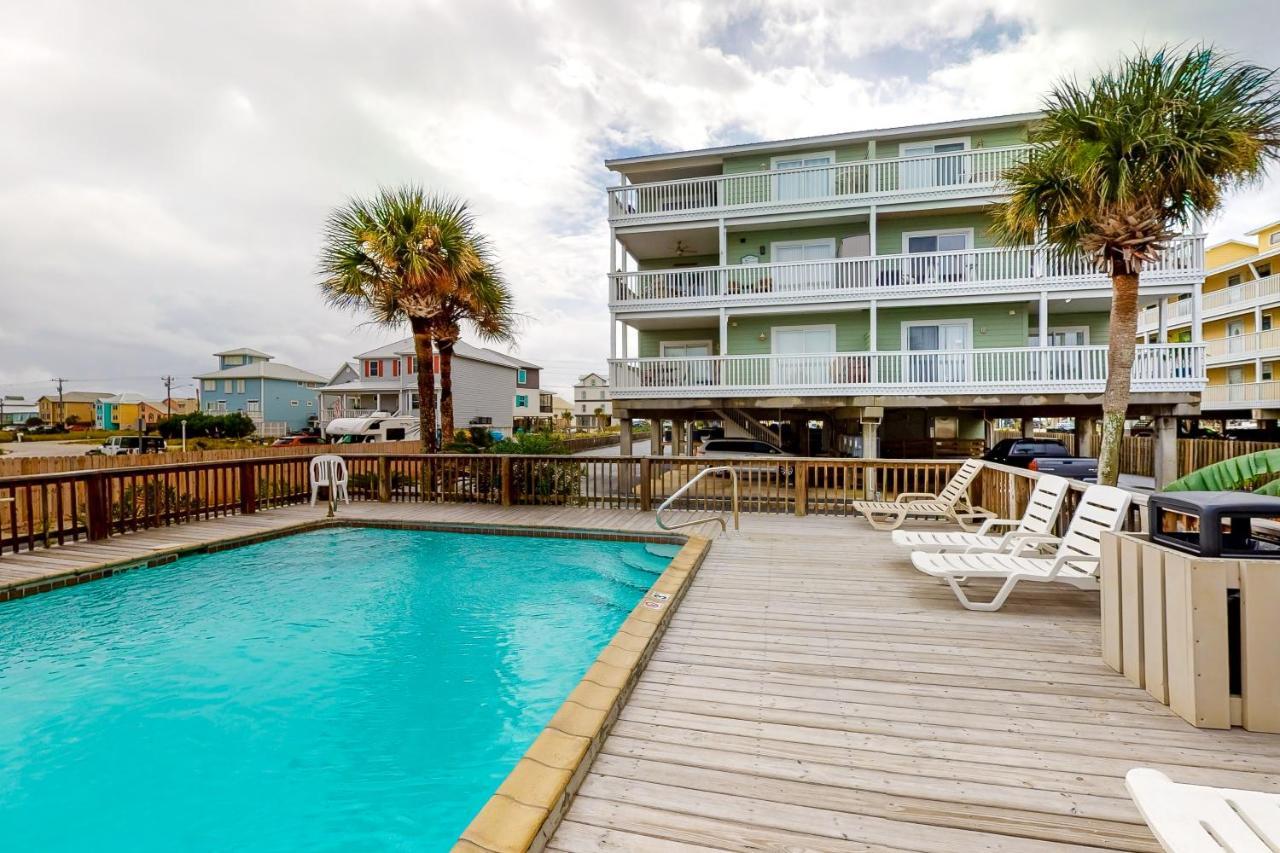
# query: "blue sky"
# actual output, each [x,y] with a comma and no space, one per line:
[166,168]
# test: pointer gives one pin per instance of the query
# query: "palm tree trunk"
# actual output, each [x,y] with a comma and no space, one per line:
[446,388]
[1120,350]
[426,383]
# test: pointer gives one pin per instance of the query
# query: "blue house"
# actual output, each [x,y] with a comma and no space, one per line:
[278,398]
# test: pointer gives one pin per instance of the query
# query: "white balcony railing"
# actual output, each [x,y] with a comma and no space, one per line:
[1242,395]
[1239,347]
[982,270]
[1175,312]
[1157,367]
[948,175]
[1232,299]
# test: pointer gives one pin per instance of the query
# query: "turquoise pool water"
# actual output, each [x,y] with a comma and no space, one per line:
[344,689]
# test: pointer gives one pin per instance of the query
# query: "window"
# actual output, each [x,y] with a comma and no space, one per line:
[226,386]
[253,406]
[1266,322]
[932,267]
[410,364]
[395,367]
[239,386]
[1266,373]
[1233,280]
[373,367]
[211,385]
[814,183]
[521,376]
[1264,270]
[931,171]
[1275,238]
[522,401]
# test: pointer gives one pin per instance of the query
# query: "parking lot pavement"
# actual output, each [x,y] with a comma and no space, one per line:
[26,449]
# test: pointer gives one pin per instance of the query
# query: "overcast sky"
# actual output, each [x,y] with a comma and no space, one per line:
[165,167]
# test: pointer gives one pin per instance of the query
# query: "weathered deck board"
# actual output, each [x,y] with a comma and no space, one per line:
[814,692]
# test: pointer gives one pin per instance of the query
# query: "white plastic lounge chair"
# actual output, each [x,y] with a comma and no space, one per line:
[951,503]
[329,470]
[1074,562]
[1199,819]
[1041,514]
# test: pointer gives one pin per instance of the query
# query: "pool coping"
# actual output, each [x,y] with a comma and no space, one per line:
[527,808]
[17,589]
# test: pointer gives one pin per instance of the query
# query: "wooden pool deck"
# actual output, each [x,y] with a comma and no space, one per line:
[814,692]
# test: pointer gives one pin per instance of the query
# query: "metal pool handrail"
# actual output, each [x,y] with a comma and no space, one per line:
[733,473]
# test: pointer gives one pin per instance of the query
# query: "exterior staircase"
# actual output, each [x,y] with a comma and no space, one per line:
[740,424]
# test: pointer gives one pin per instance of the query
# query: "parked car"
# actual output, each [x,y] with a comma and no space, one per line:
[296,440]
[122,445]
[748,448]
[1046,455]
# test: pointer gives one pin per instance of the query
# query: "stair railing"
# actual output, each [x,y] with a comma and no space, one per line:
[733,473]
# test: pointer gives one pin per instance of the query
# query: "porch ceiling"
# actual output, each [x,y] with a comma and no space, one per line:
[668,243]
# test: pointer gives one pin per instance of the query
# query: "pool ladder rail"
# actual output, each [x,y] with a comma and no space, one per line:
[720,519]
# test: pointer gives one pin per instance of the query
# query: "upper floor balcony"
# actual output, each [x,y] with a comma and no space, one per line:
[1233,299]
[886,276]
[1243,347]
[1024,370]
[1242,395]
[950,175]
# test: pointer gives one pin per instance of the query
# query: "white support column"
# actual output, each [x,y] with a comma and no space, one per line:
[1197,333]
[613,337]
[1044,318]
[871,217]
[625,335]
[613,250]
[724,245]
[723,346]
[1162,323]
[873,323]
[1166,450]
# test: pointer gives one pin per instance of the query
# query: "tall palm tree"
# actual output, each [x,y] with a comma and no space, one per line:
[398,257]
[485,303]
[1120,165]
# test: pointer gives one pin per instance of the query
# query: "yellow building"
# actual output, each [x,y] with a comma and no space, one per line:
[1240,324]
[75,406]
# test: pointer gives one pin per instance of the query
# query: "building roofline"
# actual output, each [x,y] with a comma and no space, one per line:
[1242,262]
[828,139]
[1262,228]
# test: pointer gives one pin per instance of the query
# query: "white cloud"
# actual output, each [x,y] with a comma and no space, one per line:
[166,168]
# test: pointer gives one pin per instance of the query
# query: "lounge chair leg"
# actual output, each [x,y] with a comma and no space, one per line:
[987,607]
[892,522]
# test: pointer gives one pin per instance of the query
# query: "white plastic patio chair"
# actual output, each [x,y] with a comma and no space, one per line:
[1199,819]
[330,470]
[1041,514]
[951,503]
[1074,562]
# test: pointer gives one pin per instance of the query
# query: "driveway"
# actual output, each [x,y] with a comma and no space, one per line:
[14,449]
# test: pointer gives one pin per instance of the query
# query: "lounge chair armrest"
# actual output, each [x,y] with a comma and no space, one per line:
[997,522]
[969,517]
[908,497]
[1029,542]
[1062,559]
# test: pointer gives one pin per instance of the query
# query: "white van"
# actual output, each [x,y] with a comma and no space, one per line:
[380,426]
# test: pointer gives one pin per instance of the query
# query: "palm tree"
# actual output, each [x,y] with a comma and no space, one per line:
[1119,166]
[399,257]
[484,301]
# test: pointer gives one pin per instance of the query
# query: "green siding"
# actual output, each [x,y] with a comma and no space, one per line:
[650,340]
[993,325]
[671,263]
[889,229]
[749,242]
[991,138]
[763,162]
[1097,321]
[851,330]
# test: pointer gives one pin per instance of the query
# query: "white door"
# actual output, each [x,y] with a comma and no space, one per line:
[1235,336]
[930,171]
[799,355]
[942,358]
[935,267]
[815,183]
[1235,384]
[806,276]
[694,366]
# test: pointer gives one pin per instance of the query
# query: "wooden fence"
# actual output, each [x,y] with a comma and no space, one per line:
[55,508]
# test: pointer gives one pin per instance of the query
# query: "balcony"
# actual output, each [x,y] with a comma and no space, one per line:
[960,174]
[886,276]
[1063,370]
[1234,299]
[1242,395]
[1243,347]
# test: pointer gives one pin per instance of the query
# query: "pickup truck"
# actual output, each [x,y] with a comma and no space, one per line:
[1047,456]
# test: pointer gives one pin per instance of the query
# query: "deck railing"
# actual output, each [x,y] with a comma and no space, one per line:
[95,505]
[952,174]
[1157,367]
[1240,346]
[888,275]
[1241,395]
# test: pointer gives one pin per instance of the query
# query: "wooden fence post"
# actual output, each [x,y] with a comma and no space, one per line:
[97,507]
[507,485]
[646,484]
[802,488]
[384,479]
[248,488]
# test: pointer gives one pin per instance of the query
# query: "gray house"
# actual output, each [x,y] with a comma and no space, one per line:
[385,380]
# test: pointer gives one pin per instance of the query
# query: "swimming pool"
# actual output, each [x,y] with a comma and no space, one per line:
[342,689]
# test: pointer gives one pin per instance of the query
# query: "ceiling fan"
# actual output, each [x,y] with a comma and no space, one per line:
[683,248]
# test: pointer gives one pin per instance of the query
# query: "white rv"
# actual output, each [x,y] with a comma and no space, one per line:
[380,426]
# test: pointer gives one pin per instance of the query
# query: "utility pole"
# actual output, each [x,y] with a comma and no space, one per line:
[62,407]
[168,394]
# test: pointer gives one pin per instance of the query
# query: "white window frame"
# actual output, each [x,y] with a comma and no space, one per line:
[211,385]
[226,386]
[966,141]
[788,244]
[1084,329]
[662,346]
[938,232]
[773,161]
[807,327]
[907,325]
[239,386]
[522,376]
[523,405]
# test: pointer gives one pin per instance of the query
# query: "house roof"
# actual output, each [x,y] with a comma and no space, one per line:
[79,396]
[244,351]
[828,139]
[264,370]
[510,359]
[1255,232]
[461,349]
[584,377]
[126,398]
